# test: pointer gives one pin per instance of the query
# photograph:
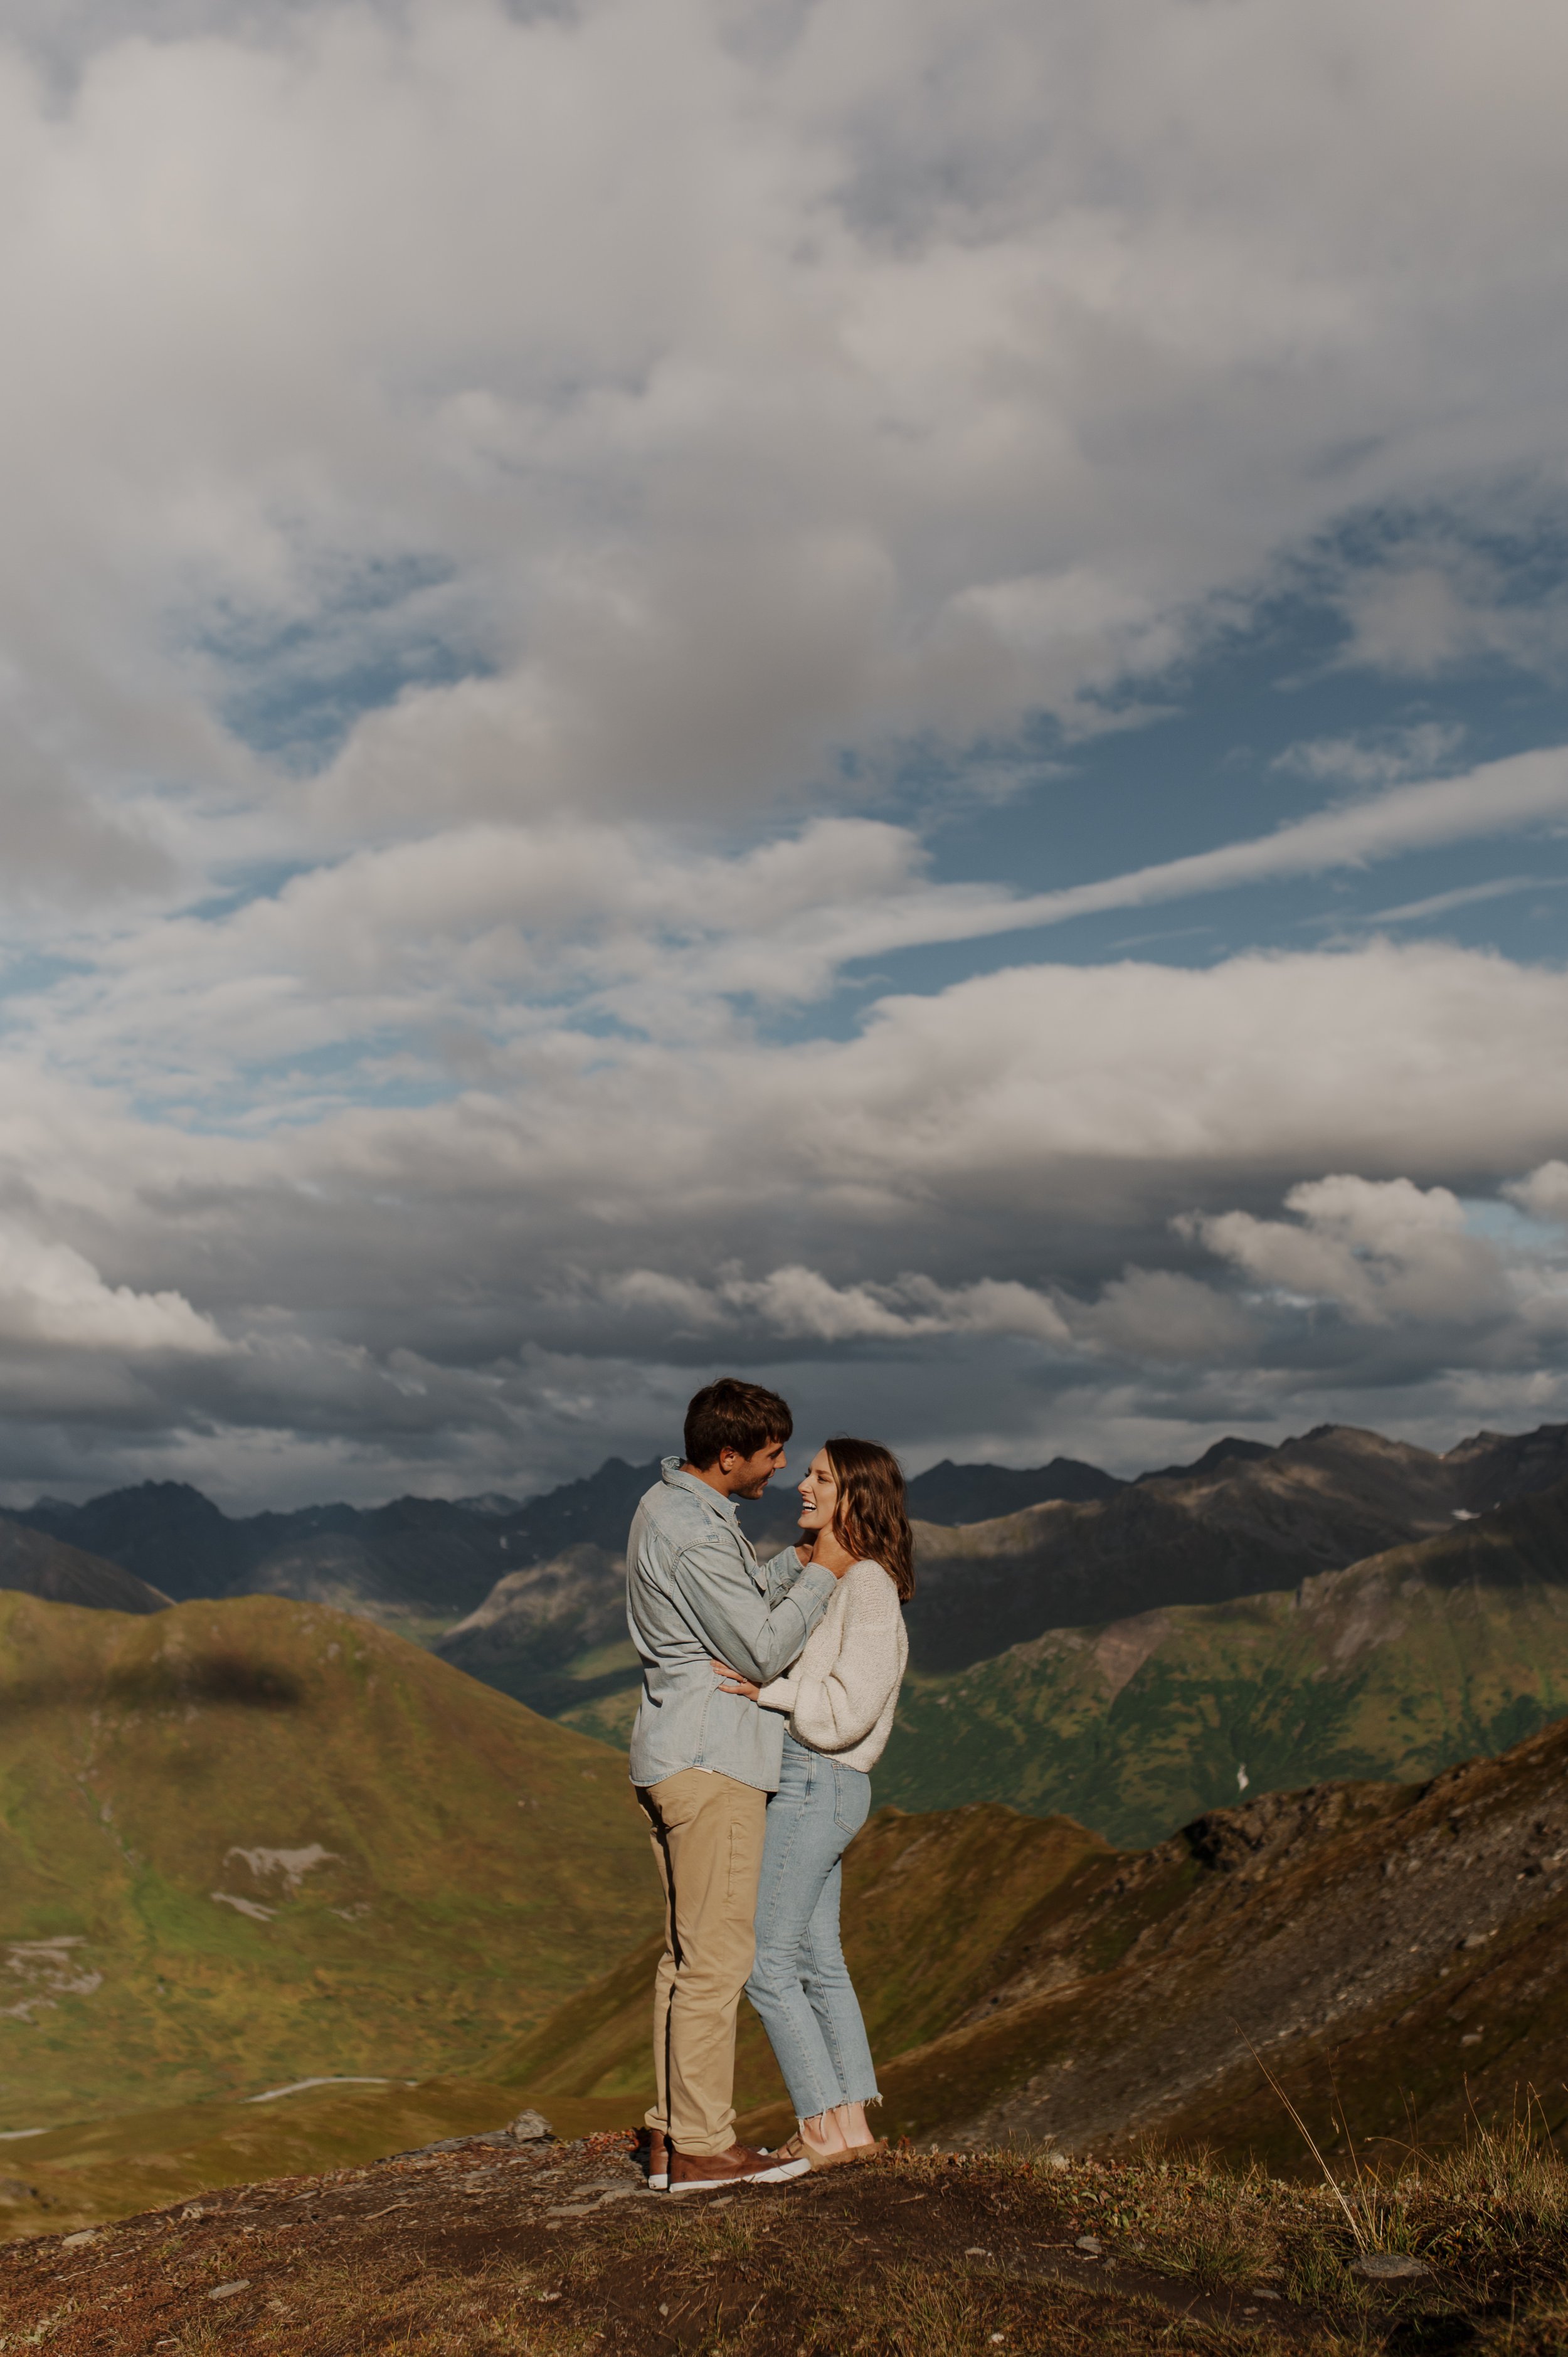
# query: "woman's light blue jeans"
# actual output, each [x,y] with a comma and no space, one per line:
[799,1983]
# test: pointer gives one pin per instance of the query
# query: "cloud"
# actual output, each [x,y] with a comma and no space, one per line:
[508,511]
[801,1304]
[1544,1193]
[1464,896]
[1422,619]
[977,1188]
[631,408]
[1384,760]
[1380,1250]
[51,1297]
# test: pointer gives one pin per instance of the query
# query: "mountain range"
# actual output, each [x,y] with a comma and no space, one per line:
[1128,1658]
[437,1558]
[1395,1666]
[1341,1605]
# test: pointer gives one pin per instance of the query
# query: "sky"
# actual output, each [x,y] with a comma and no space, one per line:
[872,694]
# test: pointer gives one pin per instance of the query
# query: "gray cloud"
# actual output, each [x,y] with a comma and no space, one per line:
[1085,1177]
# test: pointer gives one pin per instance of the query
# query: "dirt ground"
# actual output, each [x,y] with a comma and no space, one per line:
[484,2249]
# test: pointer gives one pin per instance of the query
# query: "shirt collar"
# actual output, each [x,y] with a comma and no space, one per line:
[669,1467]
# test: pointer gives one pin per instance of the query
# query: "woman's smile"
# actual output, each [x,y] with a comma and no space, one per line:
[818,1493]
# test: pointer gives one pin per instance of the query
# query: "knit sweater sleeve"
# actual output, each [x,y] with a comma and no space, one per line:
[838,1708]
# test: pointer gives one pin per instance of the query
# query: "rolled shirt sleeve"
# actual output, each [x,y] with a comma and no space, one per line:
[741,1627]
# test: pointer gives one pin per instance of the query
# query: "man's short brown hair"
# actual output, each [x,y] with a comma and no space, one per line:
[733,1414]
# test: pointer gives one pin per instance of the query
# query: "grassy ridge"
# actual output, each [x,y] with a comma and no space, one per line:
[1394,1668]
[256,1841]
[932,1905]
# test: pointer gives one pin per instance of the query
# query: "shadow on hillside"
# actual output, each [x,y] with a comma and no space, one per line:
[214,1678]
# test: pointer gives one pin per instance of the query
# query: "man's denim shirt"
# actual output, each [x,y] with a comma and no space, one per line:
[694,1594]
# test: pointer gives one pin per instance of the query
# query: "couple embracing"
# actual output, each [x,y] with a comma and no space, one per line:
[767,1695]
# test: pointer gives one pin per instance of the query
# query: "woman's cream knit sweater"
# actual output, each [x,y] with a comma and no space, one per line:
[843,1687]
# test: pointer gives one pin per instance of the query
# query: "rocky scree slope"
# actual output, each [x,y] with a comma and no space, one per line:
[1413,1940]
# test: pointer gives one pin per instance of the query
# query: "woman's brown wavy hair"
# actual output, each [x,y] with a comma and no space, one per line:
[872,1515]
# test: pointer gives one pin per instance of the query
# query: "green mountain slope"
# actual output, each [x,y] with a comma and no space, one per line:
[247,1843]
[929,1903]
[1022,1979]
[1395,1667]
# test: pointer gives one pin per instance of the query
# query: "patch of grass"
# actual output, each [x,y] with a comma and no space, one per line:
[343,2312]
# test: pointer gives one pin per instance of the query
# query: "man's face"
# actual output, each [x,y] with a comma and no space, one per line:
[747,1477]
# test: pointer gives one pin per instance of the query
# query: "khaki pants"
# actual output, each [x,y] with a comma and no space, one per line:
[707,1840]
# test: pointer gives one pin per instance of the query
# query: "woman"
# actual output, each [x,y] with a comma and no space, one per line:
[840,1693]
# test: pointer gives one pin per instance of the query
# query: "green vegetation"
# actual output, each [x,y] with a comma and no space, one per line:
[1397,1667]
[931,1904]
[252,1842]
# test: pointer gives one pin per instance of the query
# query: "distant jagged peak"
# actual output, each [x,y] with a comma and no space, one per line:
[1234,1453]
[1232,1449]
[169,1498]
[952,1493]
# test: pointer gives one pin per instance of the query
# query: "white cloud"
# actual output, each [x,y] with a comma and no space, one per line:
[1164,1316]
[1544,1193]
[1379,1250]
[801,1304]
[1419,619]
[711,397]
[51,1297]
[1464,896]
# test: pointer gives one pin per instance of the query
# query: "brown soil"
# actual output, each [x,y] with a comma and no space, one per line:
[482,2250]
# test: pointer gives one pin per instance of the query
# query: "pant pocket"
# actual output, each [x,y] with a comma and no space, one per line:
[852,1799]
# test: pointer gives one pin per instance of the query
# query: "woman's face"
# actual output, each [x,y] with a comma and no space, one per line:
[819,1494]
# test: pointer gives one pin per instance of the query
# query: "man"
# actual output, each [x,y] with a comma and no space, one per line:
[704,1762]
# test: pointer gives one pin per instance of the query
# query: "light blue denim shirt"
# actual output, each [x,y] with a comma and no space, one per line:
[695,1593]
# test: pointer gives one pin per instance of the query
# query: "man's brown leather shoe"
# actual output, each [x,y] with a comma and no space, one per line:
[708,2172]
[656,2153]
